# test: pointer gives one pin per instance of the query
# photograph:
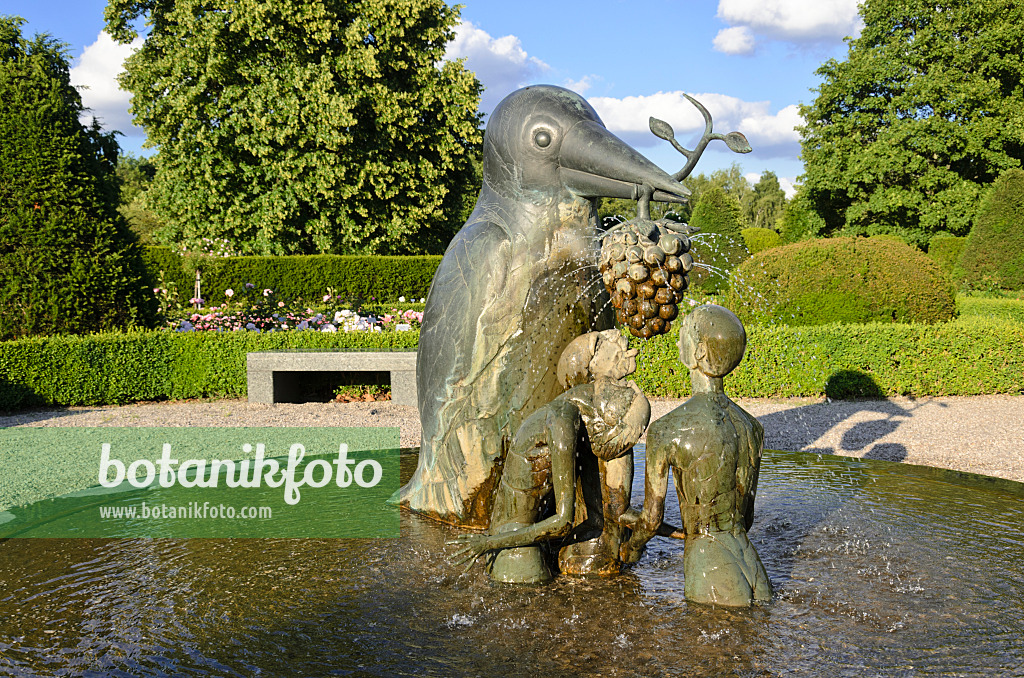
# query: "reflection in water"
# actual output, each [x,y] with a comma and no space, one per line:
[879,569]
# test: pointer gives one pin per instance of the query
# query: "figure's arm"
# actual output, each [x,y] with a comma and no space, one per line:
[630,517]
[655,489]
[562,448]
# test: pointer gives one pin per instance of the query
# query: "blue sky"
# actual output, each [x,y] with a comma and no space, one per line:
[751,62]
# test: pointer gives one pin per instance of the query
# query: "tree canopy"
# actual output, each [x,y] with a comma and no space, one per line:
[763,208]
[67,262]
[730,180]
[297,127]
[926,109]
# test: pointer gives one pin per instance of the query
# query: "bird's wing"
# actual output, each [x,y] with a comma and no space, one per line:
[471,315]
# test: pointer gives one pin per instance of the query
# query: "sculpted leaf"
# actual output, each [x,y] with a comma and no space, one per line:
[662,129]
[737,142]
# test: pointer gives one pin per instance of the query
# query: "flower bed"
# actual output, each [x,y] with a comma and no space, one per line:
[260,310]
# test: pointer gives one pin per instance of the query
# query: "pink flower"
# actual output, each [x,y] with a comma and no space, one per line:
[229,293]
[267,293]
[280,304]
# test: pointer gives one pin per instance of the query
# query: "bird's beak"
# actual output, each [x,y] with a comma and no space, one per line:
[597,164]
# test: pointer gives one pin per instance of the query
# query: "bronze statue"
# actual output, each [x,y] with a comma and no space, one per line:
[713,448]
[547,464]
[516,285]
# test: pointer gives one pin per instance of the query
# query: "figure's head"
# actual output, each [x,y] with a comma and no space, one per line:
[711,340]
[623,423]
[596,354]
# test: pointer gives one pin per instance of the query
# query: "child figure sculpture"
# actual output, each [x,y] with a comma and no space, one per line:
[610,414]
[714,450]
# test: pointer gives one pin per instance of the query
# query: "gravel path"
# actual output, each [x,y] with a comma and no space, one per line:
[983,434]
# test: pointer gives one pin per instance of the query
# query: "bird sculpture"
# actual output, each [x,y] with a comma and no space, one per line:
[515,286]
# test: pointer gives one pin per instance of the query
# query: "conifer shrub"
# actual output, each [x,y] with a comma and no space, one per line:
[68,263]
[993,256]
[945,250]
[845,280]
[760,239]
[718,246]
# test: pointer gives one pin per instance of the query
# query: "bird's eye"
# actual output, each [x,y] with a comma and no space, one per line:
[542,138]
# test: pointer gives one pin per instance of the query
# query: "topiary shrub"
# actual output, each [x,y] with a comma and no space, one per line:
[945,250]
[994,254]
[718,246]
[68,263]
[847,280]
[760,239]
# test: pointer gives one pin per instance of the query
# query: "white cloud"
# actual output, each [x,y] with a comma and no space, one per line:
[95,74]
[799,21]
[785,183]
[771,134]
[501,64]
[735,40]
[582,85]
[788,185]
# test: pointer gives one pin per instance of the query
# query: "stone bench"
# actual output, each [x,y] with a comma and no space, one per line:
[279,376]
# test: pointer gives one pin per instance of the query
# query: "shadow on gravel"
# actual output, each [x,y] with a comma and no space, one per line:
[38,416]
[852,392]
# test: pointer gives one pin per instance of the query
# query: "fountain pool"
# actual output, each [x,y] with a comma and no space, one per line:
[879,569]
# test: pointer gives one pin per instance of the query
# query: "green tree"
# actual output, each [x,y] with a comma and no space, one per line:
[730,180]
[299,127]
[798,220]
[718,247]
[764,207]
[926,109]
[68,264]
[135,176]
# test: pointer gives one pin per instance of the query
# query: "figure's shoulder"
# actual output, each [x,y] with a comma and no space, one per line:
[746,416]
[686,420]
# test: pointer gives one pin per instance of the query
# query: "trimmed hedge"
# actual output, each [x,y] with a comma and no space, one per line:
[984,307]
[299,276]
[760,239]
[718,247]
[113,369]
[850,280]
[994,254]
[964,357]
[945,250]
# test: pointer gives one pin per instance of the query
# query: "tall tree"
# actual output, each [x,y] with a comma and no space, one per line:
[730,180]
[135,176]
[926,109]
[301,127]
[764,206]
[68,263]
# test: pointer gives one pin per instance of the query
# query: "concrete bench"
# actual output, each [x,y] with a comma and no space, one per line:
[279,376]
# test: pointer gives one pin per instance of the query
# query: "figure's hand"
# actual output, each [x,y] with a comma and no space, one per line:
[629,518]
[471,547]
